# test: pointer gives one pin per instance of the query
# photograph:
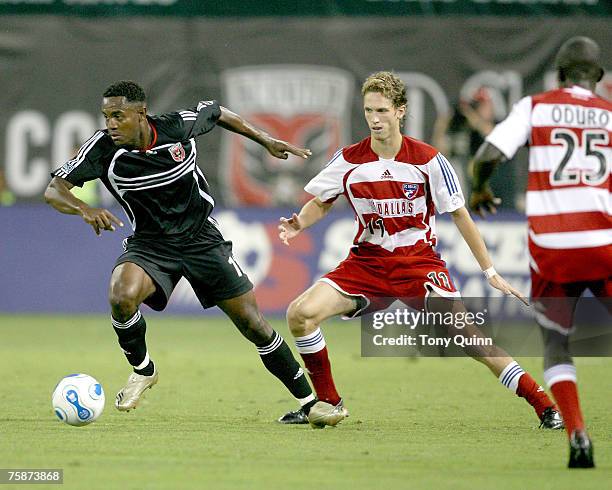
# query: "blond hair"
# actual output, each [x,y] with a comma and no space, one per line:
[387,84]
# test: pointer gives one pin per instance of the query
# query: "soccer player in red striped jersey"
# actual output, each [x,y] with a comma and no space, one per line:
[568,210]
[395,185]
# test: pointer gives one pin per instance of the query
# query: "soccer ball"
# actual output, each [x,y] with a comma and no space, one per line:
[78,399]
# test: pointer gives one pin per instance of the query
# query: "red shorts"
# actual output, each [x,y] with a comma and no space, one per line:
[554,303]
[382,280]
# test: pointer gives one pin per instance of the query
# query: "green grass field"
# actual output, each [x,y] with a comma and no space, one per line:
[209,423]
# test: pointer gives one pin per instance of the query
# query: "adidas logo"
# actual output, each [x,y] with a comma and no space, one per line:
[300,372]
[386,175]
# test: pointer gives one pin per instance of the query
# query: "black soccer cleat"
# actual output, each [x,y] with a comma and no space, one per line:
[551,419]
[295,417]
[581,451]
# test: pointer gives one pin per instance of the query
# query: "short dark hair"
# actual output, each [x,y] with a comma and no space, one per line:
[128,89]
[578,59]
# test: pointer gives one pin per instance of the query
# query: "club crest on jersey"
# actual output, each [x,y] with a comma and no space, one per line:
[410,190]
[177,152]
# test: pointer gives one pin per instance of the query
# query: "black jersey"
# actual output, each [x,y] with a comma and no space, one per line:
[161,189]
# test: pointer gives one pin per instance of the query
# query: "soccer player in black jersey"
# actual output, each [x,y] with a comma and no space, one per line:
[149,165]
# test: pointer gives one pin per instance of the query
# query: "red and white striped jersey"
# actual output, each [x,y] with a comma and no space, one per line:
[394,200]
[568,191]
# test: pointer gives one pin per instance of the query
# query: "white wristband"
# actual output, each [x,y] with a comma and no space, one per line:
[490,272]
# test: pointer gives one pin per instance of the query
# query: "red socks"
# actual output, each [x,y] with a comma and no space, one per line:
[533,393]
[518,381]
[319,370]
[566,395]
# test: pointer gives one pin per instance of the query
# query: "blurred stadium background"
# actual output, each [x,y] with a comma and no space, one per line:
[294,68]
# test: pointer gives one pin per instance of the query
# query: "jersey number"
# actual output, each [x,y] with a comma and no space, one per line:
[439,279]
[593,140]
[377,224]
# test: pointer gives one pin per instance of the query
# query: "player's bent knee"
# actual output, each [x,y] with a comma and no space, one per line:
[302,317]
[123,301]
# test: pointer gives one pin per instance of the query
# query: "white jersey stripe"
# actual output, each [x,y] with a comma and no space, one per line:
[202,192]
[571,200]
[547,158]
[85,147]
[570,116]
[333,158]
[141,186]
[161,175]
[572,239]
[111,178]
[129,183]
[448,175]
[80,157]
[404,238]
[201,174]
[395,210]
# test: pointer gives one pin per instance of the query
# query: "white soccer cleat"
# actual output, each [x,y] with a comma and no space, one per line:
[323,413]
[130,395]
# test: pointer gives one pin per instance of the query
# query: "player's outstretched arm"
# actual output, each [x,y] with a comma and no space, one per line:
[482,199]
[472,237]
[312,212]
[277,148]
[59,196]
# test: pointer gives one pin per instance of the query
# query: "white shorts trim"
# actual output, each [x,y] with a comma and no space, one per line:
[442,292]
[548,324]
[357,312]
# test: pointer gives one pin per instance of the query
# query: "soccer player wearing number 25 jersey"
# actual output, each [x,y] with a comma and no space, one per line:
[568,211]
[395,185]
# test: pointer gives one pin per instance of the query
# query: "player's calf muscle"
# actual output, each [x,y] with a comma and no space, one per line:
[245,314]
[256,329]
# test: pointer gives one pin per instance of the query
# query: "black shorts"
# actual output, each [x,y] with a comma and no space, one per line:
[205,260]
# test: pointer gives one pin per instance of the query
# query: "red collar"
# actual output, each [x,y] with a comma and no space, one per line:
[152,144]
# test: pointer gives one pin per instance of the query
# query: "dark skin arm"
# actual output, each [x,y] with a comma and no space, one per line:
[59,196]
[277,148]
[482,200]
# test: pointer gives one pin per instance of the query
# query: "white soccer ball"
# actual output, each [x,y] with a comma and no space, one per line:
[78,399]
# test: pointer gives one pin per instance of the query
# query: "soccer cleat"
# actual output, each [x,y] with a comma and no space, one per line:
[132,392]
[294,417]
[551,419]
[581,451]
[323,413]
